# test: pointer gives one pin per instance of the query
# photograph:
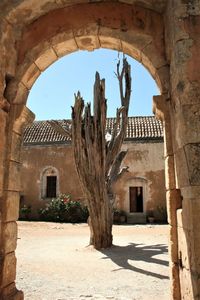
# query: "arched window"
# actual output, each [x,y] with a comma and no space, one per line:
[50,183]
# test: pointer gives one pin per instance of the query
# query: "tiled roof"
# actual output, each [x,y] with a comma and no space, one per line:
[139,128]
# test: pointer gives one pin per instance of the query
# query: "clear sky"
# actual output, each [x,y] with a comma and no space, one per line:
[52,95]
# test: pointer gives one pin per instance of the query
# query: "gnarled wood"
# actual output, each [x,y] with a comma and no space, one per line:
[98,161]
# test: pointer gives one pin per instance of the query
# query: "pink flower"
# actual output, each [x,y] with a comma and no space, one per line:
[65,200]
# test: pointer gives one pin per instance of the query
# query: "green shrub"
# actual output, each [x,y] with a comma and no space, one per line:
[64,209]
[25,212]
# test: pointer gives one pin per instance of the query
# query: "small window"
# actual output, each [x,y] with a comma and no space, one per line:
[136,199]
[51,186]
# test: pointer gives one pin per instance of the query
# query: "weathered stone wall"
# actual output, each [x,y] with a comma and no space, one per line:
[146,167]
[183,49]
[162,35]
[34,161]
[145,160]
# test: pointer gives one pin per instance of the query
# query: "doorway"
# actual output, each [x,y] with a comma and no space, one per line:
[136,199]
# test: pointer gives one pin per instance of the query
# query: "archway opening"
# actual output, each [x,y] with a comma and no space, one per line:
[55,87]
[161,249]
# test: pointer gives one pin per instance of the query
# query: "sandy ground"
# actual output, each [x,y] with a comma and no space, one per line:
[54,263]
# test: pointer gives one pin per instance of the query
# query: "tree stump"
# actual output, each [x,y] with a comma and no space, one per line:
[98,160]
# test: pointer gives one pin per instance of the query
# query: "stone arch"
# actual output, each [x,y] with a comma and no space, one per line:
[141,36]
[177,39]
[134,30]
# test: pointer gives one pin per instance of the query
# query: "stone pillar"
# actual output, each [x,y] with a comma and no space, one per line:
[183,50]
[161,107]
[10,200]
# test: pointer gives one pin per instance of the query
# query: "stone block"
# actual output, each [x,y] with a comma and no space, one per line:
[64,43]
[193,235]
[159,108]
[16,147]
[181,169]
[14,182]
[146,61]
[46,59]
[186,285]
[173,244]
[4,104]
[179,217]
[187,92]
[156,55]
[110,43]
[134,39]
[189,238]
[88,42]
[11,207]
[189,243]
[2,83]
[186,214]
[167,131]
[173,201]
[3,132]
[193,64]
[8,269]
[9,234]
[186,125]
[190,191]
[87,30]
[170,182]
[67,47]
[182,51]
[162,78]
[30,76]
[38,50]
[132,51]
[175,283]
[15,113]
[181,56]
[192,152]
[21,95]
[178,75]
[19,295]
[87,37]
[129,38]
[11,293]
[184,247]
[8,51]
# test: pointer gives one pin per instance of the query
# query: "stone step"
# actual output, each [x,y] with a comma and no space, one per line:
[136,218]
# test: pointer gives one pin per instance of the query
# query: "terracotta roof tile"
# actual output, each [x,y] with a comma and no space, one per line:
[139,128]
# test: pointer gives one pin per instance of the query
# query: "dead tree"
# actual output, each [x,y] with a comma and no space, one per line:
[98,161]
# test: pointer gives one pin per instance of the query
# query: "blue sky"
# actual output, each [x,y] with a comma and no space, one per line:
[52,95]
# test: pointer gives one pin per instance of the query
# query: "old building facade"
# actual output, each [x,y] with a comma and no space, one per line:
[164,36]
[48,168]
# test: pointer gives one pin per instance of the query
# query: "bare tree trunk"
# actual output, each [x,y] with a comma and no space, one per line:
[98,161]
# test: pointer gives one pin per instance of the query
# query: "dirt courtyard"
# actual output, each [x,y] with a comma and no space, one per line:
[54,263]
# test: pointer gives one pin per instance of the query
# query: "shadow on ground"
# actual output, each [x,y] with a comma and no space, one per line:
[120,255]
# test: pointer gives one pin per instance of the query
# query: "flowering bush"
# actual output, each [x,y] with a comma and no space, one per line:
[64,209]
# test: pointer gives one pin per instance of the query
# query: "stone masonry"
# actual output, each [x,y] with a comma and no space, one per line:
[164,35]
